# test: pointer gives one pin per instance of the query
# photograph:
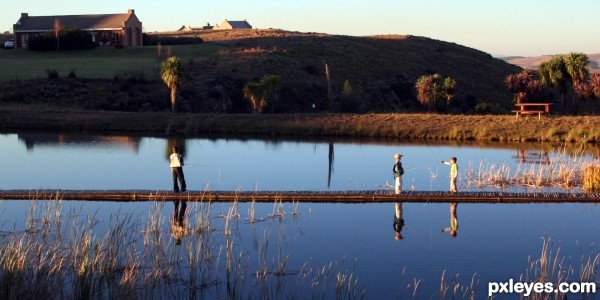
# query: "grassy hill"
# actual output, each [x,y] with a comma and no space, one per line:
[381,70]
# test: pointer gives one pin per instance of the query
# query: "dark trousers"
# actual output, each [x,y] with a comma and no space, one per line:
[178,175]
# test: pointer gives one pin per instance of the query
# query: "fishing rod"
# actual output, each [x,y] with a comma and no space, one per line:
[200,165]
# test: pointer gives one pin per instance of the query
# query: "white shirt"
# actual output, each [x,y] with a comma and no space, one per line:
[176,160]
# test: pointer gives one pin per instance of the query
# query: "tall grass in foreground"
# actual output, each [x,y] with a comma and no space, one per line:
[552,267]
[74,256]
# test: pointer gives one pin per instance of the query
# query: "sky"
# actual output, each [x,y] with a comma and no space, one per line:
[500,28]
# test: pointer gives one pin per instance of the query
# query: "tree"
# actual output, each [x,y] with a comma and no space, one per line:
[171,72]
[564,70]
[590,89]
[594,83]
[577,69]
[553,73]
[435,92]
[525,86]
[576,64]
[258,93]
[57,29]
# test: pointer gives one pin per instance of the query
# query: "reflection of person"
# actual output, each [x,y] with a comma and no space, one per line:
[398,171]
[398,221]
[177,226]
[453,229]
[176,165]
[453,173]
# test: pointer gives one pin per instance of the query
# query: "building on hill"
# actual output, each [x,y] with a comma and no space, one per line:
[226,24]
[105,29]
[190,28]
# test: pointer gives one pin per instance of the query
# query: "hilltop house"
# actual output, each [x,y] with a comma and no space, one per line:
[226,24]
[105,30]
[185,28]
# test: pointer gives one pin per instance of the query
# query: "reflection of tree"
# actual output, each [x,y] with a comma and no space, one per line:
[330,171]
[175,141]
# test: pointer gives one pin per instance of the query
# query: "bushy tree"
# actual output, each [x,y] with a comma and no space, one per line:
[435,92]
[525,86]
[589,89]
[258,93]
[564,71]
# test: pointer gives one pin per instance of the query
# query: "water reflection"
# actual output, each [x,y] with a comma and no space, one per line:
[330,169]
[178,227]
[250,164]
[33,140]
[398,221]
[453,229]
[533,156]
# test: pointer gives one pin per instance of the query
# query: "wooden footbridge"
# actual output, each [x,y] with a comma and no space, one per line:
[372,196]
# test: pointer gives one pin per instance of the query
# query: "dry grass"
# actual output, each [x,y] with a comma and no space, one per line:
[382,126]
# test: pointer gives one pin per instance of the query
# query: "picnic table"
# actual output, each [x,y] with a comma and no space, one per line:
[532,109]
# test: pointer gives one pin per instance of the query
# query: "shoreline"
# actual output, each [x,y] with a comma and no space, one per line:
[400,126]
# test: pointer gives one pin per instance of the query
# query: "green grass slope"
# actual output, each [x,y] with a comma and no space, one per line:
[382,71]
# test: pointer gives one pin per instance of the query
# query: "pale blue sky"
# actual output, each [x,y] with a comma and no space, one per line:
[508,27]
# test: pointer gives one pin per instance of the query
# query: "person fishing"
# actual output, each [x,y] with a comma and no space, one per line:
[453,173]
[176,164]
[398,172]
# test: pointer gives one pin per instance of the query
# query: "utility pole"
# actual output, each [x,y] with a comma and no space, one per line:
[329,94]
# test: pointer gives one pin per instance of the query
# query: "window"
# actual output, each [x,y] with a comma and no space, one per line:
[115,38]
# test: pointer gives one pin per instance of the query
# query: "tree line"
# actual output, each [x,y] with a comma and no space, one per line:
[567,75]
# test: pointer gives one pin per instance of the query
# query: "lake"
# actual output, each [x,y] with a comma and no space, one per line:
[282,250]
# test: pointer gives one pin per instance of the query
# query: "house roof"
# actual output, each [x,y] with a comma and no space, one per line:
[238,24]
[46,23]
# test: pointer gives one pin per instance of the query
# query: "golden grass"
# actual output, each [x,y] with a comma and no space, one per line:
[591,178]
[578,129]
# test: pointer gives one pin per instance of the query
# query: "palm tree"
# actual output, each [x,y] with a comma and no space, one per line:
[259,92]
[434,91]
[554,73]
[171,72]
[576,64]
[424,88]
[449,88]
[254,93]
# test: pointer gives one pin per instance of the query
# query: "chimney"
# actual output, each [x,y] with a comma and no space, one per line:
[131,11]
[24,15]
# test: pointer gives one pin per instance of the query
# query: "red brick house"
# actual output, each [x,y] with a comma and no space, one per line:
[106,30]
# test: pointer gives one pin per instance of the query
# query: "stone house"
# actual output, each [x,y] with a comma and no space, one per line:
[226,24]
[105,29]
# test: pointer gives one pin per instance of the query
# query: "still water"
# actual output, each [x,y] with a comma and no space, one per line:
[493,242]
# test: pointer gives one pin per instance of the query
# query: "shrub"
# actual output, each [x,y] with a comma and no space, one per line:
[483,108]
[72,39]
[52,73]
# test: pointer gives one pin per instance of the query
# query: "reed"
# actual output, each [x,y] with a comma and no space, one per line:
[563,170]
[133,258]
[591,178]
